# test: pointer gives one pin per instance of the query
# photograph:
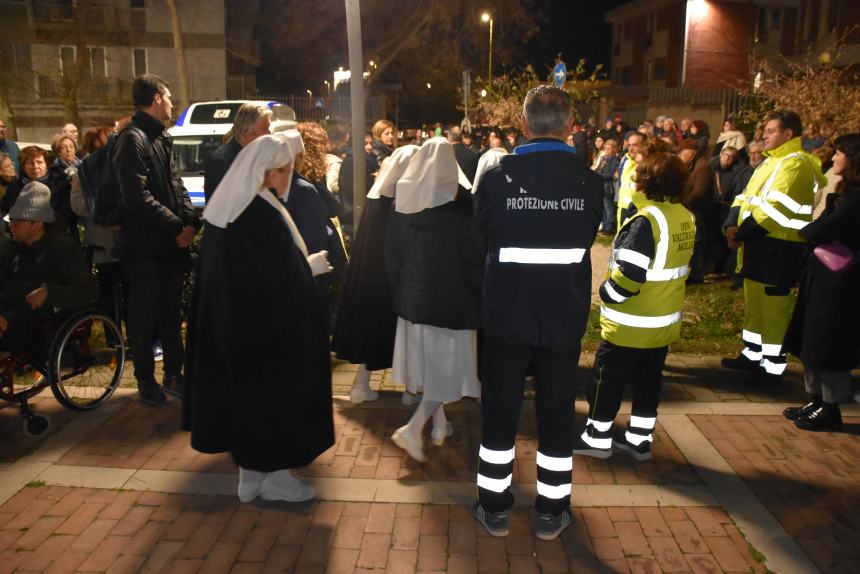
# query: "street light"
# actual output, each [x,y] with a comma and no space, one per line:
[485,17]
[428,85]
[327,87]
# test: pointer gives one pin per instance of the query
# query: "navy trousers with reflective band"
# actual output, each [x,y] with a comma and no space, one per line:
[614,367]
[503,370]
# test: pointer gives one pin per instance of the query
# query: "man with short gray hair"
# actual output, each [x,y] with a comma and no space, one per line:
[251,121]
[466,158]
[538,211]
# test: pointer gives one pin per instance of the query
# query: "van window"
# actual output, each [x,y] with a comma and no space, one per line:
[215,113]
[191,152]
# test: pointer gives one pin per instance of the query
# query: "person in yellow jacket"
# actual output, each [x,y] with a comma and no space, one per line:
[626,180]
[774,207]
[640,312]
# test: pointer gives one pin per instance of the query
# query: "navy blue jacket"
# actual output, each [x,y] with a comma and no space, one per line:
[540,204]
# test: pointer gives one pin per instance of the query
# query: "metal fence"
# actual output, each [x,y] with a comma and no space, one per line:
[323,108]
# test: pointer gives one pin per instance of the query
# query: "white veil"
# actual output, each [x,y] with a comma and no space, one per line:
[430,179]
[392,170]
[491,157]
[244,181]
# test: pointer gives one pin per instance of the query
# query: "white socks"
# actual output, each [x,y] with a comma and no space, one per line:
[424,411]
[361,390]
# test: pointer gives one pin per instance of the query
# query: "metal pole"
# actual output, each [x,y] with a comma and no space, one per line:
[356,94]
[490,65]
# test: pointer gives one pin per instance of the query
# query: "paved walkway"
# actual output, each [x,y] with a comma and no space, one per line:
[733,487]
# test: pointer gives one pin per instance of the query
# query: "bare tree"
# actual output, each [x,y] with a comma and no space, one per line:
[179,49]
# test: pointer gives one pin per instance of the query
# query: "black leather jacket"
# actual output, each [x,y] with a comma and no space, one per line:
[156,205]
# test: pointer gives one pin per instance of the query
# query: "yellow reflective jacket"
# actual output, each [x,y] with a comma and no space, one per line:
[780,193]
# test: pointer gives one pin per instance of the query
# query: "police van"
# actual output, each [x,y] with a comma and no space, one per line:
[200,130]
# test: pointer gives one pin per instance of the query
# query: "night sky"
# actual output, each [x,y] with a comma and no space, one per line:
[574,27]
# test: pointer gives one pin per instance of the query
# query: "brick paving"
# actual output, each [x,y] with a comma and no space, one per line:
[808,481]
[57,529]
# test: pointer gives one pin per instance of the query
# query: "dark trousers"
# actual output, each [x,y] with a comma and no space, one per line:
[113,292]
[155,301]
[614,367]
[22,332]
[503,370]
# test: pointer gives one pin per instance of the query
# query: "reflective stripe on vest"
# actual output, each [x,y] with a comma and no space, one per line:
[761,200]
[540,256]
[639,320]
[658,272]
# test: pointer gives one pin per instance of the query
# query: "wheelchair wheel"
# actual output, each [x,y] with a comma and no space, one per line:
[86,360]
[35,424]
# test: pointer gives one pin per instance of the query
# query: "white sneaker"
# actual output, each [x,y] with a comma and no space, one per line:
[250,482]
[409,399]
[282,485]
[358,395]
[438,436]
[404,440]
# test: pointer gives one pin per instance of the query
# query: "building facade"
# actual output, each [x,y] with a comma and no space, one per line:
[713,44]
[685,57]
[76,59]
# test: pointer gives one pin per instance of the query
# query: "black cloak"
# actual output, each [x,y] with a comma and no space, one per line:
[260,382]
[364,333]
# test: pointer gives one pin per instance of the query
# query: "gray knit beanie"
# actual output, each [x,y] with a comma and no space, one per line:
[33,204]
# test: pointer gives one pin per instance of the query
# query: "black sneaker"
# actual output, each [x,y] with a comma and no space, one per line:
[740,363]
[174,385]
[794,413]
[549,526]
[150,393]
[585,449]
[496,523]
[640,452]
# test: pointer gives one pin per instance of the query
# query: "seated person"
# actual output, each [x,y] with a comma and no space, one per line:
[44,274]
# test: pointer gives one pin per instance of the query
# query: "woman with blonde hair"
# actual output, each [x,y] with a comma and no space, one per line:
[384,140]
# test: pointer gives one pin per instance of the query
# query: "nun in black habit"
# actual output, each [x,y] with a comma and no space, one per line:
[364,333]
[261,384]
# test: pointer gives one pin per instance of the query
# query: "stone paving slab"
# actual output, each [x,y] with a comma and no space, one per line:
[55,529]
[808,481]
[140,437]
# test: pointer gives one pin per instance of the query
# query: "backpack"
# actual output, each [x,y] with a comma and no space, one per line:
[100,183]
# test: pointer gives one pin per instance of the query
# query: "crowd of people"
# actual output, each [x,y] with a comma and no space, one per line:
[469,269]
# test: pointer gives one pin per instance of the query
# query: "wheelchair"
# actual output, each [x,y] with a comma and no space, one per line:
[81,360]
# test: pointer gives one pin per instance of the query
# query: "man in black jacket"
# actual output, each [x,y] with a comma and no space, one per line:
[158,226]
[466,158]
[539,211]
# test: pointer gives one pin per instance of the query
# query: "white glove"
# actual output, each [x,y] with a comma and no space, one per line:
[319,264]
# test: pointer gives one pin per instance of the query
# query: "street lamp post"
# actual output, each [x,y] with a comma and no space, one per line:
[485,17]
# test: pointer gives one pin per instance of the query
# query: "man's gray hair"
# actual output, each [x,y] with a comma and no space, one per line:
[247,117]
[547,110]
[455,135]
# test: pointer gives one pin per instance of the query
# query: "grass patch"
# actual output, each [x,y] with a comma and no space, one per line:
[35,484]
[756,554]
[713,318]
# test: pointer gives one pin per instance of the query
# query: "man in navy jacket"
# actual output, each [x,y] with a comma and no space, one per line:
[538,211]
